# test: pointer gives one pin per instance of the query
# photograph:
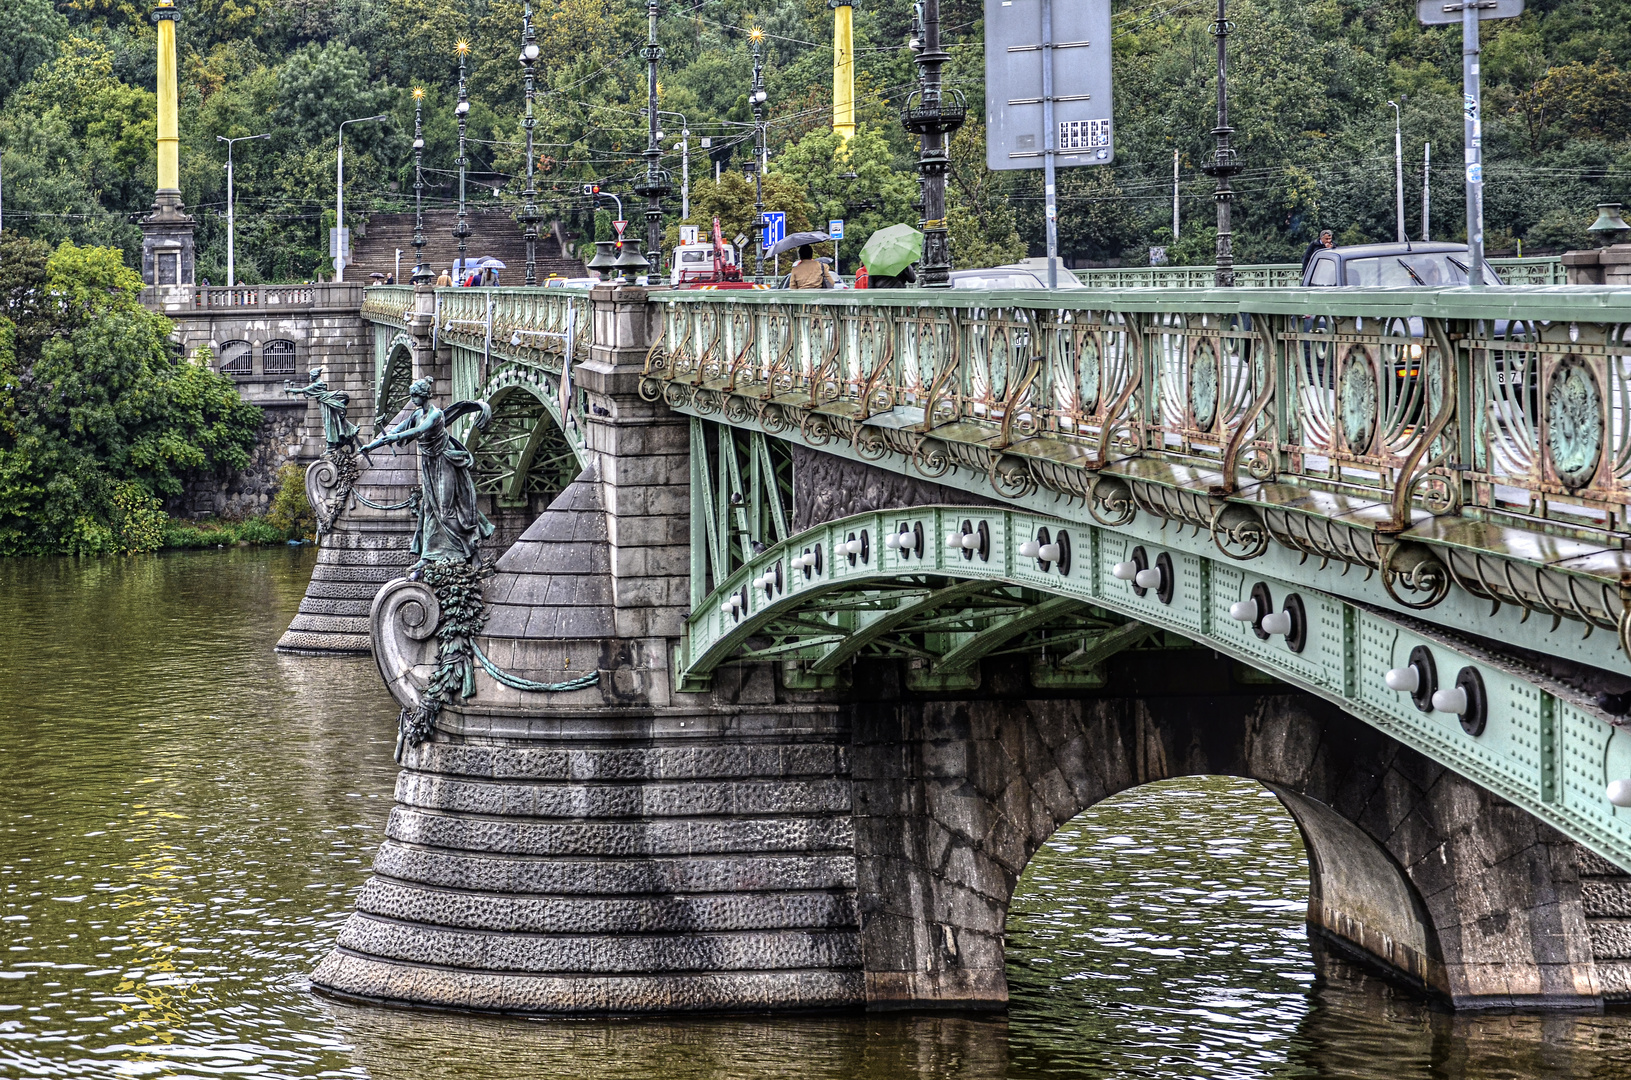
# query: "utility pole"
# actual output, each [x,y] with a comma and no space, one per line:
[1398,170]
[685,174]
[1426,189]
[461,112]
[843,68]
[529,194]
[421,272]
[655,185]
[1225,162]
[757,98]
[232,275]
[934,119]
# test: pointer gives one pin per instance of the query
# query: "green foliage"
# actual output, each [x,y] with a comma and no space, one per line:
[96,401]
[193,535]
[839,176]
[291,512]
[138,520]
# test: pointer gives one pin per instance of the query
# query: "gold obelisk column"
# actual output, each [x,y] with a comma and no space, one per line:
[167,233]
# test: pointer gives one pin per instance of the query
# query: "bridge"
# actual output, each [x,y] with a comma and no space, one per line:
[830,607]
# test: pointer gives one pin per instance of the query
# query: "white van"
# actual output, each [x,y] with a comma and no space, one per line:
[696,261]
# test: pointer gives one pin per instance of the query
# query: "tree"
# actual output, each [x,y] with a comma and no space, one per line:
[980,217]
[731,201]
[853,180]
[100,414]
[33,35]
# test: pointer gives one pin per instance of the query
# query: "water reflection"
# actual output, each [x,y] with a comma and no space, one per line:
[185,817]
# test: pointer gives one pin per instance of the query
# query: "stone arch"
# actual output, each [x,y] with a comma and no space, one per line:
[1439,882]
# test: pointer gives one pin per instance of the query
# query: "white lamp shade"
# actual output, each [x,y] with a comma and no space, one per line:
[970,541]
[1030,549]
[1148,579]
[1243,611]
[1619,792]
[1404,679]
[1278,622]
[891,540]
[1451,700]
[1049,553]
[1124,571]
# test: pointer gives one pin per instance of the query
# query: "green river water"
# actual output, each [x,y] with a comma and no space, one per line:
[185,815]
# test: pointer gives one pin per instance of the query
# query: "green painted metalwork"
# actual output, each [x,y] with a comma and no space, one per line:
[1541,745]
[1574,423]
[1542,270]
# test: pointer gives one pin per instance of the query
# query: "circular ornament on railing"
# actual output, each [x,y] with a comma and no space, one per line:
[1203,385]
[1356,401]
[1574,422]
[1087,372]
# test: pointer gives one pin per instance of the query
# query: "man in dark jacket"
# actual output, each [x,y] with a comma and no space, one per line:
[1325,240]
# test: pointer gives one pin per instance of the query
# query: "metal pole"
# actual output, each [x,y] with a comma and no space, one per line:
[1225,161]
[1426,189]
[230,268]
[1473,134]
[934,120]
[843,69]
[529,194]
[654,186]
[420,271]
[461,231]
[1175,196]
[685,175]
[1398,170]
[1049,147]
[339,208]
[758,100]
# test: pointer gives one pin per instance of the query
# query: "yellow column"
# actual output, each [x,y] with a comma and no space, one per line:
[169,128]
[843,68]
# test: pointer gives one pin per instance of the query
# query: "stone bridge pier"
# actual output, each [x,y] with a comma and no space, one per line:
[588,834]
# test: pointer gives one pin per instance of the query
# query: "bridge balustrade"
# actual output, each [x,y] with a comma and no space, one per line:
[1541,270]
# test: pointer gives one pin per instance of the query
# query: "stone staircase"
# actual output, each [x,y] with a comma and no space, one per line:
[493,233]
[1605,893]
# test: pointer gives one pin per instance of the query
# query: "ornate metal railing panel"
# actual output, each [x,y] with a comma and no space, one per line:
[1443,437]
[1541,270]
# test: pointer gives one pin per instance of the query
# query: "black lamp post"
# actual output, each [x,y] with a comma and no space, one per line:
[421,272]
[757,98]
[1224,161]
[931,115]
[461,231]
[655,185]
[529,194]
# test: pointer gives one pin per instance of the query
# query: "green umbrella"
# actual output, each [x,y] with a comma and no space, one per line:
[889,251]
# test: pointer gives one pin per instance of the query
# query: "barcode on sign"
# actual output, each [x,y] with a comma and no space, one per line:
[1084,134]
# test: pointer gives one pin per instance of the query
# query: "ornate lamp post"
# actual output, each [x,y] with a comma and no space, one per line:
[1223,162]
[757,97]
[933,117]
[655,185]
[529,194]
[461,111]
[421,272]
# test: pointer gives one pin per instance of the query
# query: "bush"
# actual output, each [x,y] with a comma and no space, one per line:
[138,520]
[291,511]
[261,531]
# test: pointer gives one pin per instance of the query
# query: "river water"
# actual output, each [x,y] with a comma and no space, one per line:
[185,815]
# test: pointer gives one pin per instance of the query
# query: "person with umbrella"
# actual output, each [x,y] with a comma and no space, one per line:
[809,272]
[888,257]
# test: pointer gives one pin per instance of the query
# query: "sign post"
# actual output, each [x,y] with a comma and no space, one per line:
[1040,114]
[1467,13]
[835,229]
[775,230]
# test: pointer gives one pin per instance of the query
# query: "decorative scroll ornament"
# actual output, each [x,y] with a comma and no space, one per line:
[1574,423]
[444,601]
[330,484]
[1111,502]
[1414,570]
[1203,385]
[1356,399]
[1239,532]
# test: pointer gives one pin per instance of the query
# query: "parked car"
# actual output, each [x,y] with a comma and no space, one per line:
[1407,265]
[1011,277]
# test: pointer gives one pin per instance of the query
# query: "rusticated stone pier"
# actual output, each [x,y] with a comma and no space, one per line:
[623,846]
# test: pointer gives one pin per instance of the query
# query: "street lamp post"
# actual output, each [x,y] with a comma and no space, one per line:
[461,111]
[684,147]
[339,195]
[934,118]
[529,194]
[654,186]
[1225,160]
[757,99]
[421,273]
[1398,169]
[232,269]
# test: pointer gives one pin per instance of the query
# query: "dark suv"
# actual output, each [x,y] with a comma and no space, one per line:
[1402,265]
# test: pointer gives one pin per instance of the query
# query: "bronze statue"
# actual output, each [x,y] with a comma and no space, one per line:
[451,527]
[337,430]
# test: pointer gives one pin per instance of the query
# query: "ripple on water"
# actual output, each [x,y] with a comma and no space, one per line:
[185,817]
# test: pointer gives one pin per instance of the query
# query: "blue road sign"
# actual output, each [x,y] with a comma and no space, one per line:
[775,226]
[835,228]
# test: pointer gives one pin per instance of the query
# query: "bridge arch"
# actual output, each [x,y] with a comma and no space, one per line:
[523,456]
[395,377]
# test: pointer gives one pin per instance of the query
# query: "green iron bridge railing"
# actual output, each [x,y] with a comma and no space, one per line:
[1541,270]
